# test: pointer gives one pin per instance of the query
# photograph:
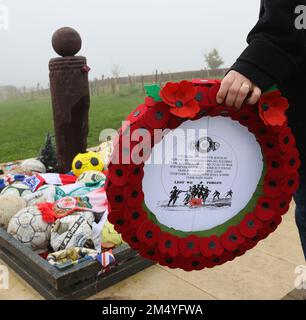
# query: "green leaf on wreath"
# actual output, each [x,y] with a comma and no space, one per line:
[274,88]
[153,91]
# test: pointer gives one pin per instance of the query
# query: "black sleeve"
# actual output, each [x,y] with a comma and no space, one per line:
[276,47]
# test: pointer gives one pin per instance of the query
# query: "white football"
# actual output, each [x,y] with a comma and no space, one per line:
[16,189]
[28,227]
[9,206]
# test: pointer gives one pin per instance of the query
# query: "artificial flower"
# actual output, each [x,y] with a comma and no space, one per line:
[272,108]
[210,246]
[181,99]
[189,246]
[249,226]
[148,233]
[158,116]
[168,244]
[231,239]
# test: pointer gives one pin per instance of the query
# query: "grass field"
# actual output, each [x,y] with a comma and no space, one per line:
[25,123]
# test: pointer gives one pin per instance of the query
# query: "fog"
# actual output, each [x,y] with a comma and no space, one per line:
[140,36]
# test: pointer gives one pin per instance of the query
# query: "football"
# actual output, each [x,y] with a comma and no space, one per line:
[9,206]
[28,227]
[17,189]
[74,230]
[87,162]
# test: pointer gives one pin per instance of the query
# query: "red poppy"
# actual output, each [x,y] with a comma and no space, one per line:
[273,187]
[292,160]
[291,184]
[118,174]
[204,112]
[171,262]
[217,261]
[141,152]
[270,145]
[195,202]
[136,174]
[141,133]
[201,96]
[150,102]
[250,243]
[275,167]
[168,244]
[148,233]
[210,246]
[175,122]
[115,197]
[189,246]
[116,218]
[181,99]
[272,109]
[135,216]
[249,226]
[213,90]
[282,204]
[264,213]
[137,113]
[271,225]
[286,139]
[134,196]
[158,116]
[131,238]
[151,253]
[265,208]
[197,262]
[231,239]
[245,117]
[260,130]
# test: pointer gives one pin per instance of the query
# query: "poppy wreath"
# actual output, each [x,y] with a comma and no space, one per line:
[167,108]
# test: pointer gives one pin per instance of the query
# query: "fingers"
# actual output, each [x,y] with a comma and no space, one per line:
[225,85]
[242,94]
[238,92]
[255,96]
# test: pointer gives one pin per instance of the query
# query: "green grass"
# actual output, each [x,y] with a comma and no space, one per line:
[25,122]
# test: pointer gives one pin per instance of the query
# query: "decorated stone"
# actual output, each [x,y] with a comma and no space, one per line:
[86,162]
[17,189]
[194,184]
[28,227]
[9,206]
[74,230]
[33,165]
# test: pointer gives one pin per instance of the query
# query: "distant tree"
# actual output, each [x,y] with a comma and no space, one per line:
[116,70]
[213,59]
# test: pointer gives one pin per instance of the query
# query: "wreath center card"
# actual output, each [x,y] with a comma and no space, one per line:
[210,171]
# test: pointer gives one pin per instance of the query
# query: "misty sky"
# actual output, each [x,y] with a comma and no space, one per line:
[139,35]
